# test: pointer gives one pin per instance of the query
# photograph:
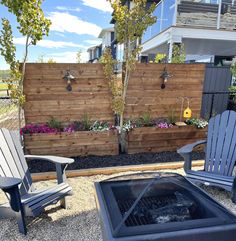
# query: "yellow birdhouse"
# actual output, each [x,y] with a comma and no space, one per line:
[187,113]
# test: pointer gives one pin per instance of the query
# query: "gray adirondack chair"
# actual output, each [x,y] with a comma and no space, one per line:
[16,182]
[220,154]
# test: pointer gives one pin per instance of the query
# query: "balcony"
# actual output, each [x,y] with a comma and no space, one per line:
[207,14]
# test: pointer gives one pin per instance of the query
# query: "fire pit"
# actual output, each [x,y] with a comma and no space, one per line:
[162,207]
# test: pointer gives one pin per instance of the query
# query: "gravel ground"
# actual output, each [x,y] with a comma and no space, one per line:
[80,222]
[111,161]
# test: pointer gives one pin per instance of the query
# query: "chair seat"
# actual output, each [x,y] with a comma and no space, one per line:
[35,202]
[210,178]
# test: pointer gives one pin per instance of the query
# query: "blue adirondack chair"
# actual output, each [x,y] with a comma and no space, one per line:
[220,154]
[16,182]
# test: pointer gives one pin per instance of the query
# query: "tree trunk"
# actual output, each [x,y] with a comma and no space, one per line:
[21,84]
[126,81]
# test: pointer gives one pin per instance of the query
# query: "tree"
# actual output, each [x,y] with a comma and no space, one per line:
[33,25]
[51,61]
[78,56]
[160,58]
[233,67]
[42,60]
[114,82]
[178,54]
[130,25]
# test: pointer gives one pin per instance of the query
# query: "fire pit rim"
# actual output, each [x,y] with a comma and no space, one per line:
[102,205]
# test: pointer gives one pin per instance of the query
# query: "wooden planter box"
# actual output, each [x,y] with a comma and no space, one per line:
[81,143]
[152,139]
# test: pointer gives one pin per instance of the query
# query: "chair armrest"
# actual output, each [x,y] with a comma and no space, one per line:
[186,153]
[189,148]
[54,159]
[9,182]
[61,164]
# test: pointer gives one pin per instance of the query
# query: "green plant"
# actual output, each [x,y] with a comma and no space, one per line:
[42,60]
[33,26]
[115,83]
[171,112]
[128,125]
[159,58]
[233,89]
[79,56]
[178,54]
[233,67]
[86,121]
[171,116]
[146,119]
[100,126]
[55,124]
[130,25]
[199,123]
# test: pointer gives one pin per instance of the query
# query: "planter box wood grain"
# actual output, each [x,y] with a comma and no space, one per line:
[81,143]
[152,139]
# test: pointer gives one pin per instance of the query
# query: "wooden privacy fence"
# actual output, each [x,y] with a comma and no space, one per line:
[47,97]
[145,95]
[46,94]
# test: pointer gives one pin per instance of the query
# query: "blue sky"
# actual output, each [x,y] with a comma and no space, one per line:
[76,25]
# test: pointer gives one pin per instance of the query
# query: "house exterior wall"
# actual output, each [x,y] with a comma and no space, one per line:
[106,40]
[217,14]
[188,15]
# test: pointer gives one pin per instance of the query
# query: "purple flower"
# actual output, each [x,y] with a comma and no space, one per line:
[37,128]
[164,125]
[70,128]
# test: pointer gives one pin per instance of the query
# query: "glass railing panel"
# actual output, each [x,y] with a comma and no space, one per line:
[156,27]
[168,14]
[165,13]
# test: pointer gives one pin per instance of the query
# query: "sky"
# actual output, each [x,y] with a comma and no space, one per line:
[76,25]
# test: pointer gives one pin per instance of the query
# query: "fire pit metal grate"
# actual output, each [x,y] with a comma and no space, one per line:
[154,210]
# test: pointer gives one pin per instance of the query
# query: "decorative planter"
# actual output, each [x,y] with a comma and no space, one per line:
[80,143]
[152,139]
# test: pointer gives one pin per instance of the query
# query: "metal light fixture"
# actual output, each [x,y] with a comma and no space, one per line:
[69,78]
[165,76]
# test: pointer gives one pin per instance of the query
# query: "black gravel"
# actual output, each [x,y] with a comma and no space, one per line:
[111,161]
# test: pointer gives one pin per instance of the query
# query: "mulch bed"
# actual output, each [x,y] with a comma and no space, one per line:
[36,166]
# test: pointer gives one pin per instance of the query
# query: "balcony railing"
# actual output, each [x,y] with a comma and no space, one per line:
[165,13]
[215,14]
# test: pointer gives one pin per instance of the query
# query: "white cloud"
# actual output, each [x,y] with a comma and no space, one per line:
[65,22]
[102,5]
[93,41]
[62,8]
[60,34]
[50,43]
[67,57]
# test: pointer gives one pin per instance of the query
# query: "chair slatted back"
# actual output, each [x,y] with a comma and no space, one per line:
[12,160]
[221,144]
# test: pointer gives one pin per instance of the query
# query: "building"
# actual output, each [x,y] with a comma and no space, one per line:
[108,40]
[206,28]
[95,53]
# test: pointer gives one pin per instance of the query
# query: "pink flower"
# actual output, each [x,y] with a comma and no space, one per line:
[164,125]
